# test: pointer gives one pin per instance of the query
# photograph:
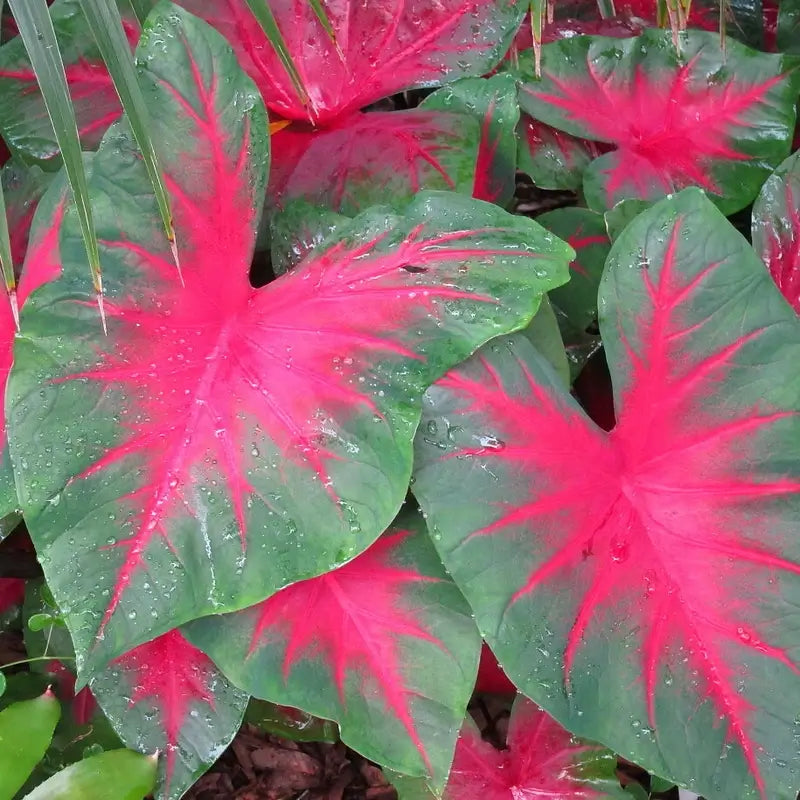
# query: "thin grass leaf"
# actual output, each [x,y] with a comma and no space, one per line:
[6,262]
[36,29]
[266,19]
[537,18]
[139,8]
[322,16]
[105,23]
[606,8]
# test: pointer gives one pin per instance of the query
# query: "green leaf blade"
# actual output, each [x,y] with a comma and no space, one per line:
[105,23]
[36,30]
[115,775]
[26,729]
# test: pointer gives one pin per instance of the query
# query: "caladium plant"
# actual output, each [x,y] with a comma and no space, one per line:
[241,438]
[642,570]
[345,646]
[700,117]
[541,759]
[217,490]
[376,49]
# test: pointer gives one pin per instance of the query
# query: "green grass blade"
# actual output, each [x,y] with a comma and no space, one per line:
[322,16]
[606,8]
[36,29]
[537,18]
[266,19]
[141,8]
[105,23]
[6,263]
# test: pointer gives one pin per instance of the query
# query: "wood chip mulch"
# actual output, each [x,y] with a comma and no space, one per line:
[262,767]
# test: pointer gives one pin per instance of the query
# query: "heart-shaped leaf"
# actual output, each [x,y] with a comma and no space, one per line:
[553,159]
[167,696]
[707,117]
[41,265]
[232,439]
[368,159]
[378,48]
[585,231]
[493,101]
[575,303]
[23,187]
[541,759]
[24,122]
[776,228]
[349,645]
[642,585]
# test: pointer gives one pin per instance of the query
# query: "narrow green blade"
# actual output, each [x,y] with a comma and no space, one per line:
[6,263]
[106,25]
[537,18]
[36,30]
[322,16]
[141,8]
[266,19]
[606,8]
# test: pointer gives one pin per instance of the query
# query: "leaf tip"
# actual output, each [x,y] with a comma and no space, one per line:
[12,299]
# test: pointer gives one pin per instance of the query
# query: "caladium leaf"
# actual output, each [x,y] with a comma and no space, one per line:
[24,123]
[289,723]
[541,759]
[348,646]
[297,229]
[553,159]
[788,32]
[167,696]
[288,146]
[491,677]
[575,303]
[379,157]
[385,46]
[233,439]
[622,214]
[493,101]
[776,228]
[12,591]
[41,265]
[545,335]
[641,585]
[409,787]
[719,120]
[23,187]
[586,233]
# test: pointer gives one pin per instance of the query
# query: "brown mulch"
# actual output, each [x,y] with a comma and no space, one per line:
[258,766]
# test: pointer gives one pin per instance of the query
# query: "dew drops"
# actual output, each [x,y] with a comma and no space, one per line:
[489,442]
[619,550]
[743,635]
